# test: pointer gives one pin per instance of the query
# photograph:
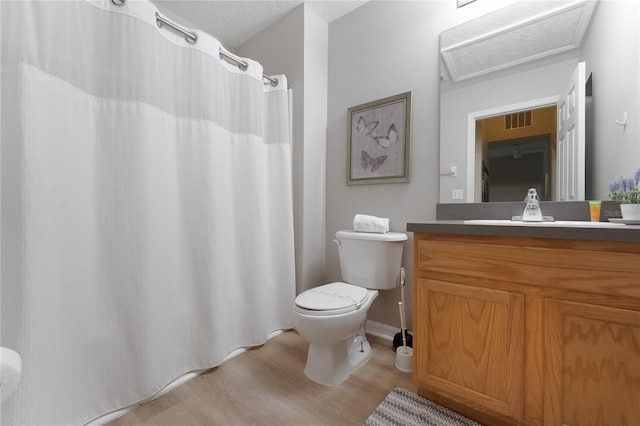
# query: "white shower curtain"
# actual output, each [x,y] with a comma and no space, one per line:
[147,220]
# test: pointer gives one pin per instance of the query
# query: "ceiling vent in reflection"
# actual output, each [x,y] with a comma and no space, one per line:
[517,120]
[519,33]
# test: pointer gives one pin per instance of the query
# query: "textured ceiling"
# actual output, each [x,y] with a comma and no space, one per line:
[233,22]
[521,32]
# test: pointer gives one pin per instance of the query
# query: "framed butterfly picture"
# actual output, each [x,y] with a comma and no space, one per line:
[379,141]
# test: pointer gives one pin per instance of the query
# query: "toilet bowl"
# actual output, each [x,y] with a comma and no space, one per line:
[331,317]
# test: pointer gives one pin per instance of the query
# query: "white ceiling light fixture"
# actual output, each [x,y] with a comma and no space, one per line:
[521,32]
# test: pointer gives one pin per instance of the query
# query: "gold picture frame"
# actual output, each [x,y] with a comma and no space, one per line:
[379,141]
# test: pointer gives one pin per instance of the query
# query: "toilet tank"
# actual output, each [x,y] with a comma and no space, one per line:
[370,260]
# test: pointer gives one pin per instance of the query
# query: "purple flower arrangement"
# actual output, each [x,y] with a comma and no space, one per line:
[626,190]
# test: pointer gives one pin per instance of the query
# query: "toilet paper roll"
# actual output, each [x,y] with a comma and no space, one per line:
[10,369]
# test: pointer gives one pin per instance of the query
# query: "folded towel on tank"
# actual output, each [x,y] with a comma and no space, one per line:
[366,223]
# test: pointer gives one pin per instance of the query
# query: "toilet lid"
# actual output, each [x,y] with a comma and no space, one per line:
[331,297]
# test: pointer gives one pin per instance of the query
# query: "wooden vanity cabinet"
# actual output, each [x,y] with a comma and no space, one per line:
[512,330]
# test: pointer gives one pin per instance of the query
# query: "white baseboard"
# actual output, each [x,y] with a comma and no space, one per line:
[383,331]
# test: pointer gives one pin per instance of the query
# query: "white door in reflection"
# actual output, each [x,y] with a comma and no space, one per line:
[570,184]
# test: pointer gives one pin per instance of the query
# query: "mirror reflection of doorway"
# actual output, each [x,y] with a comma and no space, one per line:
[516,165]
[518,153]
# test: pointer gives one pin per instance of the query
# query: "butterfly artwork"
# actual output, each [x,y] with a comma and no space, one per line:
[379,140]
[367,160]
[363,127]
[390,139]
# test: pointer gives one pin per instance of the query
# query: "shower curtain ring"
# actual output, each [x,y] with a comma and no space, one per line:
[119,2]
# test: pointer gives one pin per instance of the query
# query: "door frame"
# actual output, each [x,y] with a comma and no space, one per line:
[472,163]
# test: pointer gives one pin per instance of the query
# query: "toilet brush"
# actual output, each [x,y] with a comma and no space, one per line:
[402,337]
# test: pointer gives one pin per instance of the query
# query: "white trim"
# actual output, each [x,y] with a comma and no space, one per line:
[488,113]
[383,331]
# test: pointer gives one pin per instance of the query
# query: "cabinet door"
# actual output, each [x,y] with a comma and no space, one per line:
[469,345]
[593,365]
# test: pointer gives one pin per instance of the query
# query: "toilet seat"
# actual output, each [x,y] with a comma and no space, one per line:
[331,299]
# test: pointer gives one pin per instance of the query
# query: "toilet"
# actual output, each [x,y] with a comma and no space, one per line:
[331,317]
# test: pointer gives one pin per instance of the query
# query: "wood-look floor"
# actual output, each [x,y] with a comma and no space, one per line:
[267,386]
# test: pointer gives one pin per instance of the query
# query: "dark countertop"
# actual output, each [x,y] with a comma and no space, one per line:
[628,233]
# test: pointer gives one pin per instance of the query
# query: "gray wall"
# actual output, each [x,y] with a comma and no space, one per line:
[511,89]
[381,49]
[385,48]
[296,45]
[612,53]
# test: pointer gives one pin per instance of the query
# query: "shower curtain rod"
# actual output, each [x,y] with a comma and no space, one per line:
[243,65]
[192,37]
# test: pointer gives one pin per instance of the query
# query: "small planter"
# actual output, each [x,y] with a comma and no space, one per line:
[630,211]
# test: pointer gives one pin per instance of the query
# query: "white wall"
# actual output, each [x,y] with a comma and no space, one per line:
[296,45]
[612,53]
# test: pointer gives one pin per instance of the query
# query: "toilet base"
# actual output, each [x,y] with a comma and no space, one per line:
[332,365]
[359,351]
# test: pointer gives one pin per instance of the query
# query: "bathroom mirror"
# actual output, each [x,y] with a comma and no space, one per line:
[511,64]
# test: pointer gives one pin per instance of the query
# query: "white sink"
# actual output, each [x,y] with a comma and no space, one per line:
[557,223]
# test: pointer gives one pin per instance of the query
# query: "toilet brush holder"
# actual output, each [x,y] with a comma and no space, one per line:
[404,354]
[404,359]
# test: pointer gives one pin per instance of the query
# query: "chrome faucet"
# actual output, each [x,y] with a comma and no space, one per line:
[532,212]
